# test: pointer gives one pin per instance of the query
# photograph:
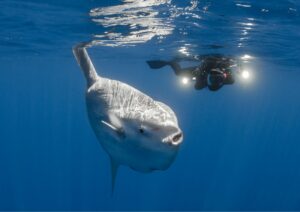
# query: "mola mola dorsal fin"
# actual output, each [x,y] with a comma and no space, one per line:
[85,63]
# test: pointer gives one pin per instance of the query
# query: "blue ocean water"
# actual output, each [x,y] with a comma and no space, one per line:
[241,147]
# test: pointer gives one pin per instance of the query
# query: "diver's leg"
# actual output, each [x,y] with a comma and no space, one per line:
[156,64]
[182,71]
[176,67]
[85,62]
[188,72]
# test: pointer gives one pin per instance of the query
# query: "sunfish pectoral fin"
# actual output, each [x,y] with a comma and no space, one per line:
[119,131]
[114,120]
[114,169]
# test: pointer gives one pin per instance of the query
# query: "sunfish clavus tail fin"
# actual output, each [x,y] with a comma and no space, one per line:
[156,64]
[85,63]
[114,169]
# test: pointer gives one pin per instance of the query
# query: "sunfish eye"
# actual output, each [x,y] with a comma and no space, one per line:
[141,130]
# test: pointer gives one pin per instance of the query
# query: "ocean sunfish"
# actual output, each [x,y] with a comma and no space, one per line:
[133,129]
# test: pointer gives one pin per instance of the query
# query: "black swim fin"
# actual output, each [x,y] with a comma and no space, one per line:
[156,64]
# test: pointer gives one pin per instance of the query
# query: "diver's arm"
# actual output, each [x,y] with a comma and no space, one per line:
[85,62]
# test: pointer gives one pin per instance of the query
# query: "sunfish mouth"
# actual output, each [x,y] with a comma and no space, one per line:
[174,139]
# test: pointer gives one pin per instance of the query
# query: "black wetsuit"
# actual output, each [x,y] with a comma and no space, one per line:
[214,71]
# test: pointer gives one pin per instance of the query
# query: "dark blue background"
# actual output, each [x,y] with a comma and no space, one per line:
[241,149]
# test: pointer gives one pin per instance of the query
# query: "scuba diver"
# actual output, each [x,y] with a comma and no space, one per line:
[214,71]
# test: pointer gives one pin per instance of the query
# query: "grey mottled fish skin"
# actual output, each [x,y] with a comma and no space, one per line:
[124,102]
[117,113]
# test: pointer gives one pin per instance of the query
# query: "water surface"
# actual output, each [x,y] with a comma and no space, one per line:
[241,147]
